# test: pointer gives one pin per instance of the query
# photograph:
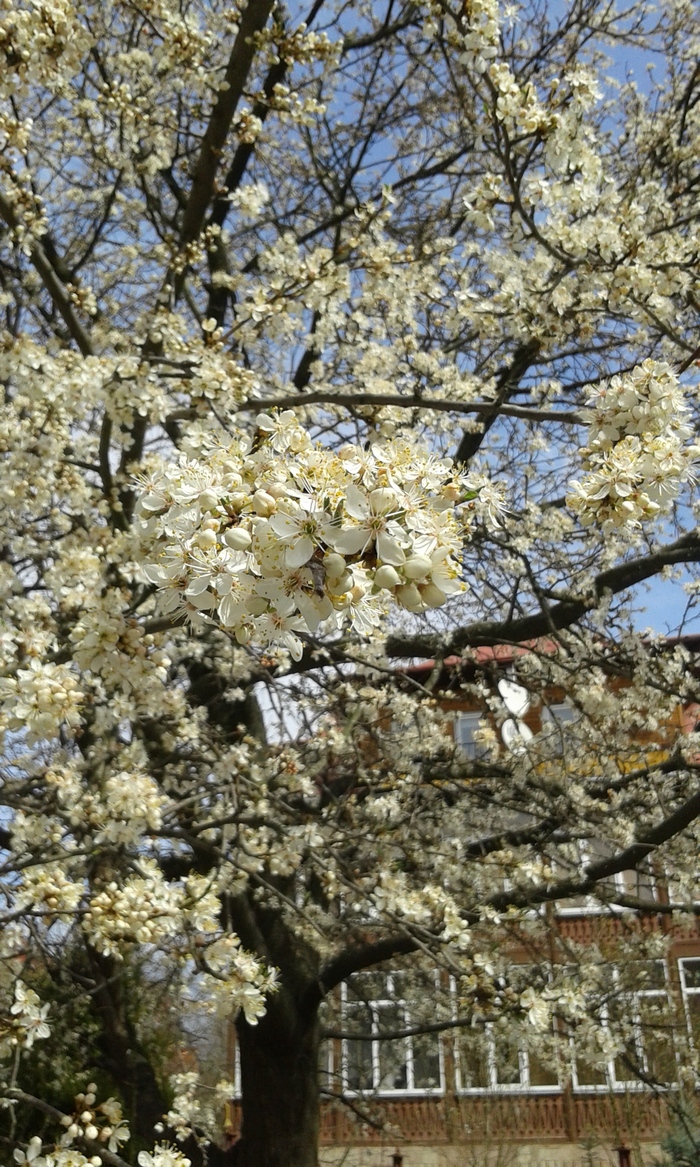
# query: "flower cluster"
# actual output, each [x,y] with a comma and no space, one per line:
[40,699]
[163,1155]
[480,44]
[102,1123]
[237,981]
[42,42]
[638,452]
[274,535]
[26,1023]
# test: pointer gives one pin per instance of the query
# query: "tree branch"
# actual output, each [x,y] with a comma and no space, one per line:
[353,960]
[558,616]
[253,20]
[442,405]
[52,283]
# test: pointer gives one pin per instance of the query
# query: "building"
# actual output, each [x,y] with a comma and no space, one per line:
[468,1096]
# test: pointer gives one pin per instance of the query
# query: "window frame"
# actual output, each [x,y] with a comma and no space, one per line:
[611,1083]
[494,1086]
[375,1005]
[471,749]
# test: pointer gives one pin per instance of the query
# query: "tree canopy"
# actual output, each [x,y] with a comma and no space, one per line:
[335,337]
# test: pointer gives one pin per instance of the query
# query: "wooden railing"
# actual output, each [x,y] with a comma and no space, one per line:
[546,1118]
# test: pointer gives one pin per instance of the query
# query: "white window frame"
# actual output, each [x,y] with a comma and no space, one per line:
[592,906]
[470,748]
[494,1086]
[489,1035]
[375,1004]
[608,1068]
[688,991]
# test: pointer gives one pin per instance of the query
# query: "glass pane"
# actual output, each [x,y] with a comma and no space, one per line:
[627,1067]
[358,1054]
[426,1062]
[541,1075]
[693,1007]
[652,974]
[367,987]
[466,725]
[660,1057]
[691,969]
[507,1060]
[590,1075]
[472,1054]
[393,1068]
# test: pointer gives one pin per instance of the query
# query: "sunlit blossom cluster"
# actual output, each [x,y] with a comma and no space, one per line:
[236,981]
[638,452]
[273,537]
[40,699]
[26,1021]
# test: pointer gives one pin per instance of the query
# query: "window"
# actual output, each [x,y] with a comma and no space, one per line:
[637,884]
[640,1015]
[466,726]
[374,1004]
[690,986]
[555,719]
[493,1060]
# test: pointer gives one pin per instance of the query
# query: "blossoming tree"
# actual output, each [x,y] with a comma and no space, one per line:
[334,335]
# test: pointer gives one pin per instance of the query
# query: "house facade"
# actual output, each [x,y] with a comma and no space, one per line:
[468,1096]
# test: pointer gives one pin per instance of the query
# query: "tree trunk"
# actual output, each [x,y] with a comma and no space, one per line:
[279,1079]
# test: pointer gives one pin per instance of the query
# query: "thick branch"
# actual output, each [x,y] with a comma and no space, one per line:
[628,860]
[562,615]
[506,382]
[52,283]
[363,956]
[253,20]
[440,404]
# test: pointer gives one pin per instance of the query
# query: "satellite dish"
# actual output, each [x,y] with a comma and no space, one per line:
[515,734]
[515,698]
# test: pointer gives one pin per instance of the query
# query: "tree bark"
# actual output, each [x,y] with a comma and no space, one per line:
[280,1089]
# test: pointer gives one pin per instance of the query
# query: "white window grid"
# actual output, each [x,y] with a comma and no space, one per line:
[465,727]
[640,884]
[612,1078]
[489,1033]
[383,1052]
[623,1079]
[689,972]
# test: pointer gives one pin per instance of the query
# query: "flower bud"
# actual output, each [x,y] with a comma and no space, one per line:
[91,1132]
[208,500]
[417,567]
[206,540]
[432,595]
[382,500]
[263,503]
[238,539]
[237,500]
[386,577]
[277,490]
[256,605]
[334,565]
[409,597]
[86,1116]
